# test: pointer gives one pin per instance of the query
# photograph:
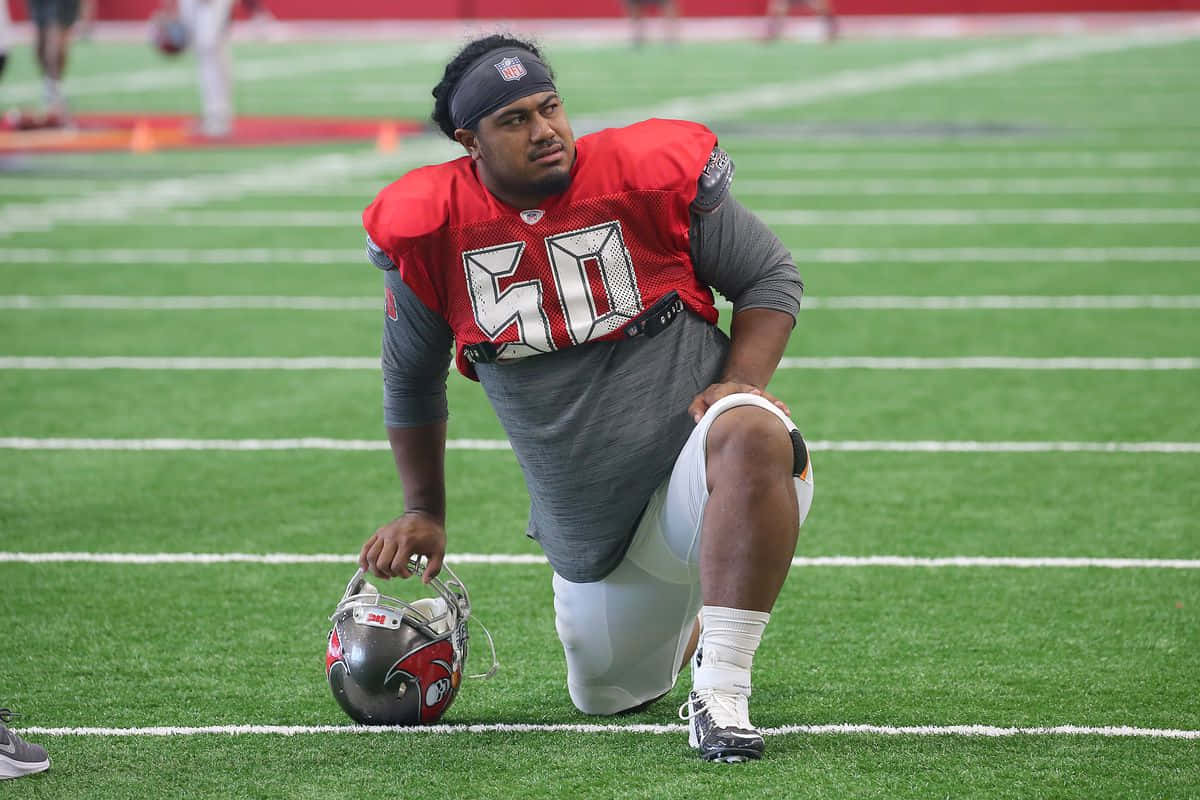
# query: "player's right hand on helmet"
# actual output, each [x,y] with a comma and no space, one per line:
[410,536]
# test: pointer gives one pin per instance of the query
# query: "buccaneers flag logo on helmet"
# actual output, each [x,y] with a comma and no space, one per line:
[391,662]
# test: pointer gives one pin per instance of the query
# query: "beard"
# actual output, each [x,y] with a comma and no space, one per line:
[552,184]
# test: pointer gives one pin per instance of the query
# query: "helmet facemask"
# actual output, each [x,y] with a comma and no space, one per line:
[392,662]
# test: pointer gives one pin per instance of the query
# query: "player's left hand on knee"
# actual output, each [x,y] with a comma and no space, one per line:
[703,401]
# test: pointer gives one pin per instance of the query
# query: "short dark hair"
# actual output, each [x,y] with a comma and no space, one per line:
[458,66]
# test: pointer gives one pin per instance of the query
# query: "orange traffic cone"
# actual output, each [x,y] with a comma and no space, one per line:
[142,138]
[385,140]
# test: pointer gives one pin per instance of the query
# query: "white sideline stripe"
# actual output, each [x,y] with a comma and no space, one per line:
[792,216]
[885,77]
[834,255]
[830,362]
[989,731]
[24,302]
[988,216]
[964,186]
[372,445]
[499,558]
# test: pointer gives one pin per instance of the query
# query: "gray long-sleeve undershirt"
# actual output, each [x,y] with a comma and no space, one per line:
[596,427]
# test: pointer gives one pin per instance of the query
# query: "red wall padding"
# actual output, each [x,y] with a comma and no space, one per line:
[556,9]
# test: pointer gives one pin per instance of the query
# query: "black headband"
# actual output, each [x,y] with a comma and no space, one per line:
[495,80]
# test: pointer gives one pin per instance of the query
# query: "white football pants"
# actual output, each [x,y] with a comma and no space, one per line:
[624,636]
[208,23]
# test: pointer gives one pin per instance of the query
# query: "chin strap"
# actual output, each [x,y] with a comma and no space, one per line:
[495,661]
[456,582]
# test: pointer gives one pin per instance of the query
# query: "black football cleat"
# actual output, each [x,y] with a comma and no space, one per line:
[719,726]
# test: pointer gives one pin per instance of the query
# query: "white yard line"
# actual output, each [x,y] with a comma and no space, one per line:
[831,255]
[887,77]
[802,187]
[995,255]
[364,363]
[501,559]
[351,220]
[168,77]
[160,255]
[840,729]
[1002,302]
[990,362]
[187,363]
[10,185]
[984,216]
[975,160]
[500,445]
[24,302]
[129,201]
[192,303]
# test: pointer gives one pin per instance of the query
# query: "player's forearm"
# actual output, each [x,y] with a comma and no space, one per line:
[420,456]
[758,337]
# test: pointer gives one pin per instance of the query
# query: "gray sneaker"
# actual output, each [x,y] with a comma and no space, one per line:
[17,756]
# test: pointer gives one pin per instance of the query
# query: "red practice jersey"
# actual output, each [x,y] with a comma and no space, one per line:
[575,269]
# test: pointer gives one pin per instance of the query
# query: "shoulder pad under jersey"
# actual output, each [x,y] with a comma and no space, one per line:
[655,154]
[412,207]
[377,257]
[714,182]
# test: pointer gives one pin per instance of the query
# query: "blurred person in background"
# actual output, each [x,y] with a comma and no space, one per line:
[260,17]
[667,9]
[777,12]
[207,24]
[53,20]
[5,34]
[88,10]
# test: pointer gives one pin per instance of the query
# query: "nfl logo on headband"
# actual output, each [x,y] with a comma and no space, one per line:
[511,69]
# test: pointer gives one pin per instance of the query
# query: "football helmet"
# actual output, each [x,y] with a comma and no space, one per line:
[391,662]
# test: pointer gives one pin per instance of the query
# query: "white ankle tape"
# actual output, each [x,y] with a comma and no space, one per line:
[730,636]
[723,678]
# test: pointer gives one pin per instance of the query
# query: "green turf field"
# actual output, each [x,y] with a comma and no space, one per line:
[115,664]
